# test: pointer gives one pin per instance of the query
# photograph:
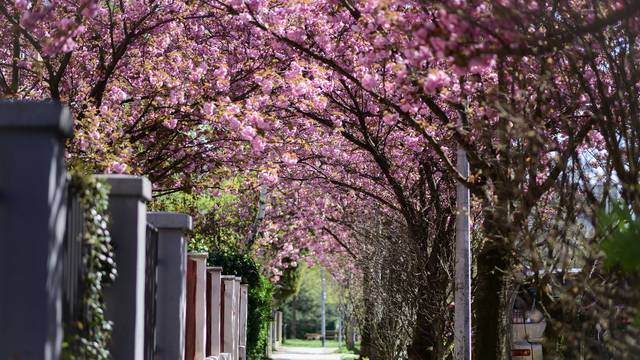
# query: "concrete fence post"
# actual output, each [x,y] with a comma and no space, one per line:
[171,287]
[244,293]
[236,288]
[280,326]
[224,318]
[272,326]
[196,331]
[125,297]
[32,222]
[230,341]
[213,310]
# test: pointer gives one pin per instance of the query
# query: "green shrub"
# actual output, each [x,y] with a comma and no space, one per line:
[260,294]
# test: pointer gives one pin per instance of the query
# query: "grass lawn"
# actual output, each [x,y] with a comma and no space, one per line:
[347,355]
[310,343]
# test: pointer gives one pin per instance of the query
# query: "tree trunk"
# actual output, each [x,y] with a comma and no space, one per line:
[494,264]
[366,344]
[293,332]
[424,338]
[351,336]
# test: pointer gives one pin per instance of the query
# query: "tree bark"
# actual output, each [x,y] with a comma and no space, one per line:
[494,263]
[294,324]
[366,344]
[351,336]
[423,345]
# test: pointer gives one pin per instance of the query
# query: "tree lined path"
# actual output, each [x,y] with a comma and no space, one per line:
[301,353]
[326,132]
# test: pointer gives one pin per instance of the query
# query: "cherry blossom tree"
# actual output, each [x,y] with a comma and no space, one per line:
[504,74]
[144,79]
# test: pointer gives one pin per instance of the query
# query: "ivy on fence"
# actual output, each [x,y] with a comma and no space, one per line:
[88,337]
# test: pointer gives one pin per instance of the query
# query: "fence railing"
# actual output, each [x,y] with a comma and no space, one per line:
[73,269]
[151,286]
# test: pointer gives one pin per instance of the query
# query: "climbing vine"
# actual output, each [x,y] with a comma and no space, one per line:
[88,336]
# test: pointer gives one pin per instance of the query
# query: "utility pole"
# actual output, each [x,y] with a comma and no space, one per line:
[462,318]
[324,305]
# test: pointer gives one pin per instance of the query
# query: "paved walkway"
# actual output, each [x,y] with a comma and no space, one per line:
[298,353]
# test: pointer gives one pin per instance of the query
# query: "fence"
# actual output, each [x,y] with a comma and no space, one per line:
[151,277]
[73,269]
[42,247]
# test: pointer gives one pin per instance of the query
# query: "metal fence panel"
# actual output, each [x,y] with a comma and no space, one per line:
[73,267]
[151,281]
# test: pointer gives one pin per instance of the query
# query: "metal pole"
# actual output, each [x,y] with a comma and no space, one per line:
[339,329]
[462,320]
[324,304]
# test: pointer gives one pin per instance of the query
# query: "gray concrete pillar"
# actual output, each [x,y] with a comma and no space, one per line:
[171,287]
[230,316]
[125,297]
[32,222]
[213,310]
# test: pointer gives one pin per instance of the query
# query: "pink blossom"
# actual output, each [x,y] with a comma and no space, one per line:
[290,159]
[268,177]
[119,94]
[438,45]
[176,96]
[220,72]
[117,167]
[258,121]
[369,82]
[267,87]
[413,143]
[208,108]
[320,102]
[22,4]
[90,8]
[390,119]
[294,71]
[83,144]
[170,124]
[379,41]
[236,3]
[232,121]
[257,145]
[248,133]
[435,80]
[299,88]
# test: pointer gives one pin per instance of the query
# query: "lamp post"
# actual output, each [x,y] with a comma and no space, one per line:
[462,317]
[324,306]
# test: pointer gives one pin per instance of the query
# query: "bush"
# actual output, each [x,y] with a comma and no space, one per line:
[260,294]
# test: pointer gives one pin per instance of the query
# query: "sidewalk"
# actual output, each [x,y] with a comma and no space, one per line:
[301,353]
